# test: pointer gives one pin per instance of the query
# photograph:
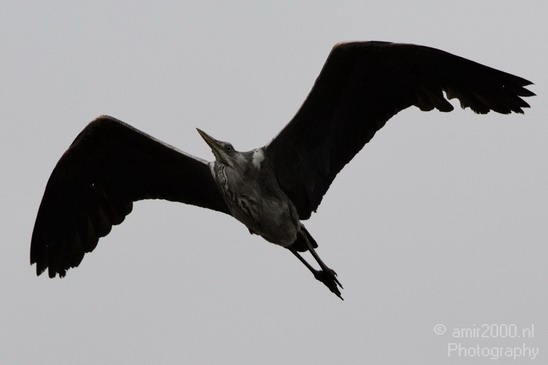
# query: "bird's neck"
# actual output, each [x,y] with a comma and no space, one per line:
[257,157]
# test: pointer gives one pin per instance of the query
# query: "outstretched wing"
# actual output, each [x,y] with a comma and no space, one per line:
[360,87]
[108,167]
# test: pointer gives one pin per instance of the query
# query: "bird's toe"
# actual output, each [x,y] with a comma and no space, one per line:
[329,278]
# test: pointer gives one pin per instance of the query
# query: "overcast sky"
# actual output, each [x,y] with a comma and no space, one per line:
[441,219]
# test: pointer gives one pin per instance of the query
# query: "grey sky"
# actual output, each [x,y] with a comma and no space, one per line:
[440,219]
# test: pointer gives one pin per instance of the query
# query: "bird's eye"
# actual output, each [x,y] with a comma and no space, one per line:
[229,148]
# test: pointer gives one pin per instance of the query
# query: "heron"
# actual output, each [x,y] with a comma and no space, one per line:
[270,189]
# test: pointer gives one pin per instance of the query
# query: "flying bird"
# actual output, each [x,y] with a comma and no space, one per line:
[270,189]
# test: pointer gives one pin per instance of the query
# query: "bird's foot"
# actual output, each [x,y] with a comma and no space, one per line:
[329,278]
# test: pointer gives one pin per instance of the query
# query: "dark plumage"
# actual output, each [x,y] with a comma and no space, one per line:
[270,189]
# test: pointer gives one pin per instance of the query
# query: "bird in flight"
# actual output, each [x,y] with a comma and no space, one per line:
[270,189]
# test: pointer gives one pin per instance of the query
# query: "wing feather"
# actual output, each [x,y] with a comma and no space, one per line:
[361,86]
[93,186]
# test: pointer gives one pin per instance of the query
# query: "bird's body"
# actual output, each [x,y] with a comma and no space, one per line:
[270,189]
[255,199]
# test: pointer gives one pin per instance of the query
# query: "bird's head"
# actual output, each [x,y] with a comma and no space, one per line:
[224,152]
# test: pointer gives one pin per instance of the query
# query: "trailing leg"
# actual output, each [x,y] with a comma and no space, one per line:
[325,275]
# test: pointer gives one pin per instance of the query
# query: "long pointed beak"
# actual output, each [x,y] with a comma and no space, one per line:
[212,142]
[215,146]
